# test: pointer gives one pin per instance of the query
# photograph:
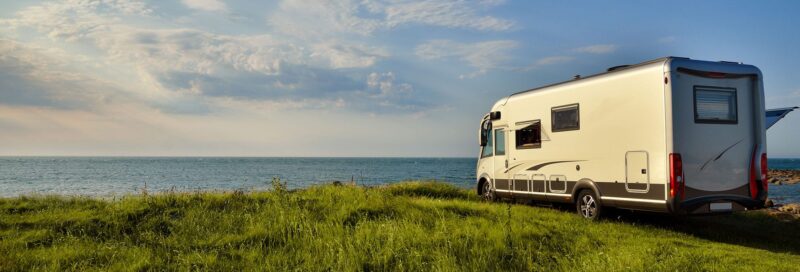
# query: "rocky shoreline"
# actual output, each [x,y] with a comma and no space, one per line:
[789,211]
[784,177]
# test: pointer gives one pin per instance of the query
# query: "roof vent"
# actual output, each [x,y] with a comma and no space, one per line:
[618,67]
[576,77]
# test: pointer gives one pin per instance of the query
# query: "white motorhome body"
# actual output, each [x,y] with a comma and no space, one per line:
[670,135]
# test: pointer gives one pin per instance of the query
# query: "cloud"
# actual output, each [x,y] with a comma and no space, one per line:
[454,14]
[597,49]
[184,70]
[74,19]
[385,82]
[546,61]
[206,5]
[483,56]
[44,77]
[554,60]
[312,19]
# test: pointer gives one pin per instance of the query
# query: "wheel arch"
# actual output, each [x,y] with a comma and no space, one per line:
[584,184]
[484,178]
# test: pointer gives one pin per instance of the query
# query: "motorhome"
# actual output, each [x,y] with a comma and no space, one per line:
[671,135]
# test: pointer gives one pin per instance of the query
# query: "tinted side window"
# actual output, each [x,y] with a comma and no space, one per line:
[487,149]
[529,136]
[500,142]
[566,118]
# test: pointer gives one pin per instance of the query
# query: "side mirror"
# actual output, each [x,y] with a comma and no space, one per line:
[485,128]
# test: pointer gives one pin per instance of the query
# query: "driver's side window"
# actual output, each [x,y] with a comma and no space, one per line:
[487,149]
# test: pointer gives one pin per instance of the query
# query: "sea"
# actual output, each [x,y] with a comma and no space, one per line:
[119,176]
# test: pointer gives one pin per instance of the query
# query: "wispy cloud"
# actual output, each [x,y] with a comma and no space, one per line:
[546,61]
[319,18]
[206,5]
[554,60]
[667,39]
[385,82]
[597,49]
[185,70]
[47,77]
[456,14]
[483,56]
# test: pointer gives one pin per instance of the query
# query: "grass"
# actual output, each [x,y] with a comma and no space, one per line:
[406,226]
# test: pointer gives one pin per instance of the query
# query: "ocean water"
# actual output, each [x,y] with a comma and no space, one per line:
[106,176]
[109,176]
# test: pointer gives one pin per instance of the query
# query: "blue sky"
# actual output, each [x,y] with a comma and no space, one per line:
[340,78]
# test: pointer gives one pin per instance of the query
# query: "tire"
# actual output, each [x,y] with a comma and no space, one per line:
[588,205]
[487,194]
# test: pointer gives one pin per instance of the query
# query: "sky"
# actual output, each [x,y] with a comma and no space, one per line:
[391,78]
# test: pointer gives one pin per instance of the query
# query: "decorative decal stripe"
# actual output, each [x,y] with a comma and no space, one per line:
[720,155]
[512,167]
[539,166]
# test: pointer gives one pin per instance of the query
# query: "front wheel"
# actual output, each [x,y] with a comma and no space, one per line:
[588,205]
[487,194]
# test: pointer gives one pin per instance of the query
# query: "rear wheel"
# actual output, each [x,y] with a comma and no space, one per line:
[486,192]
[588,205]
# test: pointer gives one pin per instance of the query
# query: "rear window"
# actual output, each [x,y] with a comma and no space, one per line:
[715,105]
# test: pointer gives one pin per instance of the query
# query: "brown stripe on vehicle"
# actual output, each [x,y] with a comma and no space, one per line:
[617,189]
[743,190]
[610,189]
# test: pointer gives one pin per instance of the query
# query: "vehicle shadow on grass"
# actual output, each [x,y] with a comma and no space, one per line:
[754,229]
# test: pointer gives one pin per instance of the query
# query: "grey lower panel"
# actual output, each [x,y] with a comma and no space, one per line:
[637,186]
[618,189]
[612,189]
[560,186]
[538,186]
[743,190]
[644,206]
[502,184]
[521,185]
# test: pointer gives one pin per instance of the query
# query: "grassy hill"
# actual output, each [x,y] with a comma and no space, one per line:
[407,226]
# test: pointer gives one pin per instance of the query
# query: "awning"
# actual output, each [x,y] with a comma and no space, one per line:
[775,115]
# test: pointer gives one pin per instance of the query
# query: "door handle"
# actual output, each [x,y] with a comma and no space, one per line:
[506,164]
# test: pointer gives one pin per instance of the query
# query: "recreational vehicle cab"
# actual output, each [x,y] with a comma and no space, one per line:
[672,135]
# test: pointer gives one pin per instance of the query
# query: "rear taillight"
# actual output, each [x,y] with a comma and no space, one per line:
[764,169]
[753,176]
[676,182]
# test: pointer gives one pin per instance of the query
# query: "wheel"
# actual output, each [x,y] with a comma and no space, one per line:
[487,192]
[588,205]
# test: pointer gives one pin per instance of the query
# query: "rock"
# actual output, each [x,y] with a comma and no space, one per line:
[784,176]
[774,180]
[792,208]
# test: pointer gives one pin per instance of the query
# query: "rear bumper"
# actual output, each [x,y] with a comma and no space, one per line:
[700,205]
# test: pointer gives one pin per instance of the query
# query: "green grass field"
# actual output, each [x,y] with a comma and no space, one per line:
[408,226]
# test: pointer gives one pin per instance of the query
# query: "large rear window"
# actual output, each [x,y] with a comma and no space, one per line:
[715,105]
